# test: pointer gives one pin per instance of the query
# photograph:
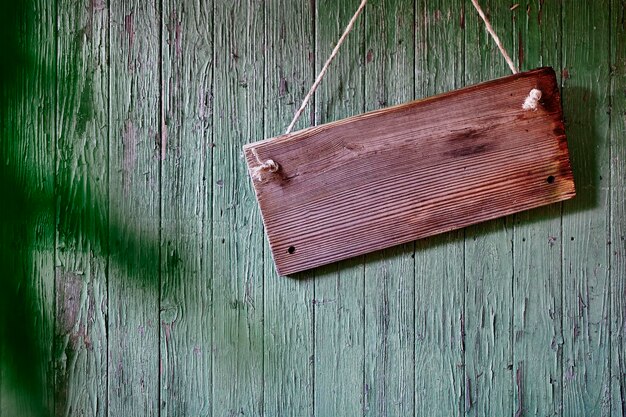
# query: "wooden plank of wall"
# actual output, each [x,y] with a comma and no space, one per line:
[488,250]
[136,144]
[586,299]
[389,274]
[82,191]
[439,261]
[288,320]
[618,209]
[185,320]
[237,228]
[27,112]
[339,288]
[537,244]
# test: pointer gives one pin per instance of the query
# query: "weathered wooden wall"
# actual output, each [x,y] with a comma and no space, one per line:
[136,277]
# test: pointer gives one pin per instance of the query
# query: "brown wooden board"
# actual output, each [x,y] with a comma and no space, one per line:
[403,173]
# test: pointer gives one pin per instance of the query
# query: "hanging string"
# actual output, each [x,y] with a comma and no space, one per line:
[495,37]
[318,80]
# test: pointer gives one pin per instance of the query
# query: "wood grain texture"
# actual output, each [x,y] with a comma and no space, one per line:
[185,320]
[488,281]
[136,147]
[586,297]
[339,303]
[237,240]
[288,304]
[439,260]
[112,158]
[438,166]
[389,284]
[618,210]
[27,147]
[82,189]
[537,244]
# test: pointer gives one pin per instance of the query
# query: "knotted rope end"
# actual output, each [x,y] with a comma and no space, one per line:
[532,101]
[268,165]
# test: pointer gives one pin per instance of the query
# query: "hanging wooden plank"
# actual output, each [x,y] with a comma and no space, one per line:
[403,173]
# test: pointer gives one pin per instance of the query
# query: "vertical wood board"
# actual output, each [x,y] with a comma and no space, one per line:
[237,240]
[288,304]
[27,148]
[185,319]
[537,245]
[586,290]
[80,349]
[617,242]
[136,139]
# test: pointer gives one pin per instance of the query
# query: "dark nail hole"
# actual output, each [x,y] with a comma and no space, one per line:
[551,179]
[291,250]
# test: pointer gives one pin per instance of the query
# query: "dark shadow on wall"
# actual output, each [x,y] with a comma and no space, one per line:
[33,188]
[580,113]
[25,368]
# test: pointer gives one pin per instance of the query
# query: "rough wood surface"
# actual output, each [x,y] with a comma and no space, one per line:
[411,171]
[617,242]
[237,234]
[586,295]
[185,326]
[82,187]
[537,244]
[288,352]
[27,208]
[121,127]
[136,146]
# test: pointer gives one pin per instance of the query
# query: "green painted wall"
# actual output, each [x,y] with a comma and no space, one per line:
[136,279]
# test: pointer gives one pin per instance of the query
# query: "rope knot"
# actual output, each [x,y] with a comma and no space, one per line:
[268,165]
[532,100]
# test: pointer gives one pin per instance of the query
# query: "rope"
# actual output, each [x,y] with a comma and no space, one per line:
[495,37]
[320,76]
[267,166]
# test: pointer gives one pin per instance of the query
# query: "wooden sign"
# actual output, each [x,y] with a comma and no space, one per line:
[396,175]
